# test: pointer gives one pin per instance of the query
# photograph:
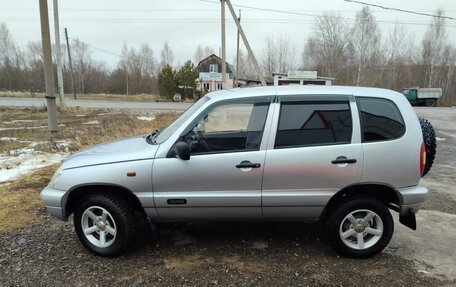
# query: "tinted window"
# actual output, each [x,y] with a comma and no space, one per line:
[314,123]
[227,128]
[380,119]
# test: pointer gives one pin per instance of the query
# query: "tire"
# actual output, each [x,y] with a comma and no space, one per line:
[430,143]
[431,102]
[117,224]
[374,233]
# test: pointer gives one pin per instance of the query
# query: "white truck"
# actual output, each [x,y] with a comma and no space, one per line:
[423,96]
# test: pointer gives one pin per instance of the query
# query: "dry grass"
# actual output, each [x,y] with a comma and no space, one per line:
[20,204]
[104,97]
[75,128]
[20,201]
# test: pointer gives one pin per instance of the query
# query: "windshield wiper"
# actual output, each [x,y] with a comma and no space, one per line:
[152,137]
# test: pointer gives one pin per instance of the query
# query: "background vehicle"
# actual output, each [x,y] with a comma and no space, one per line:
[341,155]
[423,96]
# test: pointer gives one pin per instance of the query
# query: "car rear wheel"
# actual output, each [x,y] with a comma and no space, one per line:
[104,224]
[360,227]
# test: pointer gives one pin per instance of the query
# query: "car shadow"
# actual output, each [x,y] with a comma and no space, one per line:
[233,235]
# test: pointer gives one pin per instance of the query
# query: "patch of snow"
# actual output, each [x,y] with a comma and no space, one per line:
[95,122]
[23,128]
[63,144]
[14,167]
[144,118]
[7,139]
[80,115]
[21,151]
[440,139]
[19,121]
[34,144]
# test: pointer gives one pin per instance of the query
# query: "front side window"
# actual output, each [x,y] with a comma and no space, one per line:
[380,119]
[308,123]
[228,128]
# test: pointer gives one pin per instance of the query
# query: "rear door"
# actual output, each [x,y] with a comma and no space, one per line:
[316,151]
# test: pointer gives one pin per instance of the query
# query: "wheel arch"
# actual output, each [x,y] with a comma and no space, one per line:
[78,192]
[385,193]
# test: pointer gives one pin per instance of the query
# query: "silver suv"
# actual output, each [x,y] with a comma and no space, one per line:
[341,155]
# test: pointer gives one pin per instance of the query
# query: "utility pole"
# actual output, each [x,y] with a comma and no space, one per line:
[237,55]
[59,56]
[222,2]
[71,65]
[48,74]
[246,42]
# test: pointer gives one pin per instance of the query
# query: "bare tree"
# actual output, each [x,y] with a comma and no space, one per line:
[199,54]
[82,60]
[366,41]
[139,68]
[278,55]
[167,56]
[328,47]
[433,46]
[395,52]
[7,47]
[208,51]
[246,68]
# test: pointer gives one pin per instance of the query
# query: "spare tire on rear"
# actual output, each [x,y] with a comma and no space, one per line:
[430,143]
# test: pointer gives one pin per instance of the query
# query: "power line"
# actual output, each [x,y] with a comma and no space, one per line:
[400,10]
[310,15]
[99,49]
[208,20]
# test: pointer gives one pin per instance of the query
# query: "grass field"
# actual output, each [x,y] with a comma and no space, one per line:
[29,154]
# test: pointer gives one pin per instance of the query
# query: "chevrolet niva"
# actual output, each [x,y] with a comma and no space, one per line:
[344,156]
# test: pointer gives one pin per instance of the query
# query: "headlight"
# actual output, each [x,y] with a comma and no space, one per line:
[56,176]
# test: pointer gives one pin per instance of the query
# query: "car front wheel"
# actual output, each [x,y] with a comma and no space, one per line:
[360,228]
[104,224]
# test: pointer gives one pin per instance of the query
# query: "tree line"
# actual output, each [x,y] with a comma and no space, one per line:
[353,53]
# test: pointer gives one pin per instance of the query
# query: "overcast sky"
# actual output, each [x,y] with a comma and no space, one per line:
[107,24]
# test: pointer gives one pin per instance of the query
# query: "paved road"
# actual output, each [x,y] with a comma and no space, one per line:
[31,102]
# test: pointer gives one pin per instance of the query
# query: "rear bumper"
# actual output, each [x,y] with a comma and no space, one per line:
[412,198]
[54,200]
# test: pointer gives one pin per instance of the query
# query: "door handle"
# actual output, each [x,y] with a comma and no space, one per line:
[247,164]
[343,159]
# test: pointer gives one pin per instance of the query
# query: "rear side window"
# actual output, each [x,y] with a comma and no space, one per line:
[314,123]
[380,119]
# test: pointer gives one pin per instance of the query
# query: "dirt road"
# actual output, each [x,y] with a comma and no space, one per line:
[252,254]
[96,104]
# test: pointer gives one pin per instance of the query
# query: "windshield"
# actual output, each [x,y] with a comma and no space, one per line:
[169,130]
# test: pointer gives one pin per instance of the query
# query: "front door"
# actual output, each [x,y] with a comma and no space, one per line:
[222,179]
[315,153]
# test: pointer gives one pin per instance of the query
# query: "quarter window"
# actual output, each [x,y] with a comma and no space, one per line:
[380,119]
[314,123]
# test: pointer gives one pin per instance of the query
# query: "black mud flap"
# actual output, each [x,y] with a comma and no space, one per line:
[408,219]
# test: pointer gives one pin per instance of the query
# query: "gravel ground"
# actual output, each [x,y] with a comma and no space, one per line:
[199,254]
[245,254]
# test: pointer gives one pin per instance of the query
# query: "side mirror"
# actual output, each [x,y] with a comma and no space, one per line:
[182,150]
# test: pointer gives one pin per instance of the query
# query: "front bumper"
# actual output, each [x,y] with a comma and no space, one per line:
[54,200]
